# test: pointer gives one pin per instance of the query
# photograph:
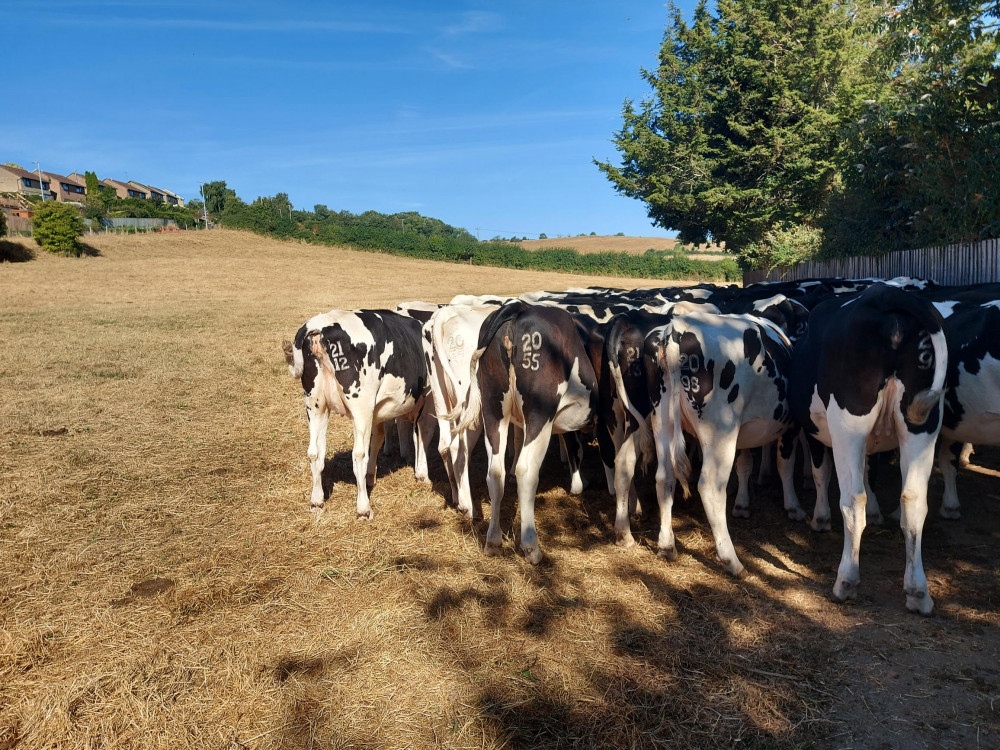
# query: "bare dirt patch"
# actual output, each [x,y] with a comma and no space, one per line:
[183,461]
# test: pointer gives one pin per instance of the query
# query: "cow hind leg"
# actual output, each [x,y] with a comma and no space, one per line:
[363,439]
[949,458]
[717,465]
[319,419]
[423,429]
[821,465]
[872,509]
[378,438]
[786,470]
[528,465]
[851,464]
[766,471]
[460,458]
[916,459]
[625,463]
[744,468]
[495,480]
[665,482]
[574,456]
[404,434]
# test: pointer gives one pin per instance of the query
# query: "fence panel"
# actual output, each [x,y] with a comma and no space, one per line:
[961,263]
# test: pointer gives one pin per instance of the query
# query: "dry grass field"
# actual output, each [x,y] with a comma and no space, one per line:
[164,584]
[632,245]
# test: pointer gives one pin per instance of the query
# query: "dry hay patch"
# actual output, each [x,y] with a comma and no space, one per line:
[163,582]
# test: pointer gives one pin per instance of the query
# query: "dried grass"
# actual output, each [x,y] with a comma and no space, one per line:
[164,584]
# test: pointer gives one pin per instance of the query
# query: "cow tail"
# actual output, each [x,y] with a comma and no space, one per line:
[670,405]
[441,357]
[929,319]
[612,348]
[293,353]
[467,415]
[923,402]
[329,393]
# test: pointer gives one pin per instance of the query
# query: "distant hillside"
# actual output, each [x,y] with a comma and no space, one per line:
[632,245]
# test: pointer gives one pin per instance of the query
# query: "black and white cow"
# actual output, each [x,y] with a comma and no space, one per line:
[367,365]
[869,376]
[529,369]
[972,398]
[721,379]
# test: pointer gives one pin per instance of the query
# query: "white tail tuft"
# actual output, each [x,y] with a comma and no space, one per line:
[670,403]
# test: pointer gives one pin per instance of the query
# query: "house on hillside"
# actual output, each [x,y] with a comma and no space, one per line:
[172,198]
[126,189]
[151,193]
[67,189]
[22,182]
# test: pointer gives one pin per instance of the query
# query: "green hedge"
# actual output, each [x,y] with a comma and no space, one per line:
[431,239]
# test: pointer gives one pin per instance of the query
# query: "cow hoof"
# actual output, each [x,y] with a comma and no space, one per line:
[796,514]
[919,602]
[625,540]
[844,590]
[667,553]
[874,519]
[492,550]
[576,487]
[533,555]
[952,514]
[365,515]
[736,570]
[467,512]
[741,512]
[820,524]
[318,505]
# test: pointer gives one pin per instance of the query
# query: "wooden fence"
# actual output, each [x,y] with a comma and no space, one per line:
[963,263]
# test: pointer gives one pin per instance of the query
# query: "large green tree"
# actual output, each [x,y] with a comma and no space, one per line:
[923,157]
[741,134]
[216,195]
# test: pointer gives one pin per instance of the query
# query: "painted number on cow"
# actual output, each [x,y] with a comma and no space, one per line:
[690,364]
[925,352]
[530,345]
[337,356]
[456,343]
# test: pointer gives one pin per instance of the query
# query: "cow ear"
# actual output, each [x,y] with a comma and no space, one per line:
[286,347]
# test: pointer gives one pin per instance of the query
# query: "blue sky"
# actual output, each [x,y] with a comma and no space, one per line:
[484,115]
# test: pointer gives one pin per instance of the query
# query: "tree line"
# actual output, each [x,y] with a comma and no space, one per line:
[413,235]
[789,129]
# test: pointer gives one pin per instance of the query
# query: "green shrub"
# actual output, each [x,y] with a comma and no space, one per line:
[57,228]
[3,224]
[784,246]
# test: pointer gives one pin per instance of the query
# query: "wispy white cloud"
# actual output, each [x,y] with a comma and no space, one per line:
[476,22]
[449,60]
[285,25]
[277,62]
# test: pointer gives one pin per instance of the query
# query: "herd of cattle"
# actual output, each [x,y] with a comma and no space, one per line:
[856,366]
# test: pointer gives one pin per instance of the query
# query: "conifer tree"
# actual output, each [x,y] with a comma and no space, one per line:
[743,129]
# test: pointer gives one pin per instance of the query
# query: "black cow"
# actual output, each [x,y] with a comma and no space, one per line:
[869,376]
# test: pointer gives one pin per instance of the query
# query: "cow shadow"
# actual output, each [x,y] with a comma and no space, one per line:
[15,252]
[339,467]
